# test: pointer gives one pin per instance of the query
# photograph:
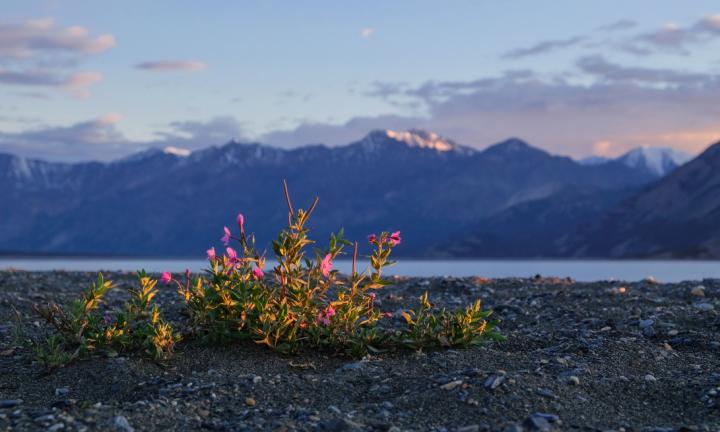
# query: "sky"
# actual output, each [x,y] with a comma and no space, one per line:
[100,80]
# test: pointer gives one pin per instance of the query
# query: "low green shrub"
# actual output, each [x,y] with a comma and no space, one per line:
[81,328]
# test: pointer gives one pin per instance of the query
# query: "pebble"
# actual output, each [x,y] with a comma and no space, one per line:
[650,378]
[62,391]
[494,381]
[250,402]
[470,428]
[573,380]
[646,323]
[698,291]
[121,424]
[705,307]
[540,422]
[546,393]
[354,366]
[10,403]
[452,385]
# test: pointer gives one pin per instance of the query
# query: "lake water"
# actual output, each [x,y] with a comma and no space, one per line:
[581,270]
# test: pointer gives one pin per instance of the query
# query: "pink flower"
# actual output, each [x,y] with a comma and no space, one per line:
[231,254]
[387,314]
[323,320]
[372,238]
[395,238]
[372,296]
[326,265]
[211,253]
[187,273]
[241,222]
[225,238]
[166,278]
[329,311]
[258,273]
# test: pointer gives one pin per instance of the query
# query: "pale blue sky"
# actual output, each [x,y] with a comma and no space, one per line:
[603,77]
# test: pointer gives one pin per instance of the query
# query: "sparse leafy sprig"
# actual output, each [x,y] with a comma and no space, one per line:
[80,329]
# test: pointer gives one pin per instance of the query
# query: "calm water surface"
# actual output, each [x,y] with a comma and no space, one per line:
[666,271]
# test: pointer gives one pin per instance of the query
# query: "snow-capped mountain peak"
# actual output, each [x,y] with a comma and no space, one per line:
[412,138]
[658,160]
[177,151]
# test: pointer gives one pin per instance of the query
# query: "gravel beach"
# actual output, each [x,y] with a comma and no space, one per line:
[607,355]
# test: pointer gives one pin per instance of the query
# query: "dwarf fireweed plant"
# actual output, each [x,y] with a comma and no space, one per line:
[81,328]
[304,301]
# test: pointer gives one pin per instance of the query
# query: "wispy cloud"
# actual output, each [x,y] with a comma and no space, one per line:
[606,71]
[101,139]
[367,32]
[77,84]
[619,25]
[675,38]
[171,65]
[27,39]
[544,47]
[39,53]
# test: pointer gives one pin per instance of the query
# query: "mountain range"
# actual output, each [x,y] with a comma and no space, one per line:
[509,200]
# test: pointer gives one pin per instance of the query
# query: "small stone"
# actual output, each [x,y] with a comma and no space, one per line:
[572,379]
[698,291]
[469,428]
[56,427]
[705,307]
[494,381]
[250,402]
[650,378]
[537,423]
[341,425]
[203,413]
[257,379]
[44,418]
[10,403]
[354,366]
[62,391]
[121,424]
[648,332]
[646,323]
[673,332]
[546,393]
[452,385]
[334,409]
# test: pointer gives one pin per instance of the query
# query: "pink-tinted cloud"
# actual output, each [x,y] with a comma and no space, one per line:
[33,37]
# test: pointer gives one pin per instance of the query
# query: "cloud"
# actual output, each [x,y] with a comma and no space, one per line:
[674,38]
[77,83]
[93,139]
[620,25]
[599,67]
[171,65]
[38,53]
[100,139]
[367,32]
[25,40]
[194,134]
[621,106]
[544,47]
